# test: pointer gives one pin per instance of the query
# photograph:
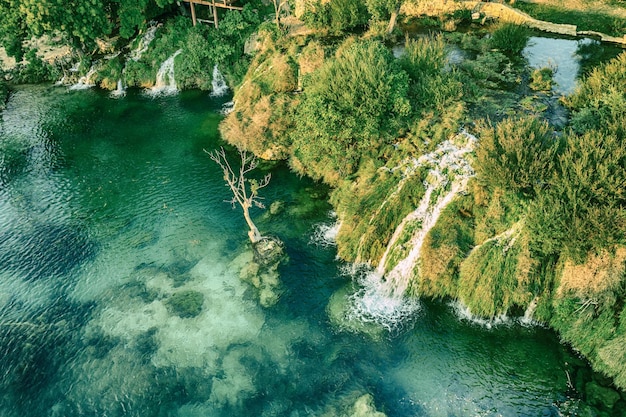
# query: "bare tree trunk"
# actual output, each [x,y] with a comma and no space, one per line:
[253,233]
[394,18]
[245,190]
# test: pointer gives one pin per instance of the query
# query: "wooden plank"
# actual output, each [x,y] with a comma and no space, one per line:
[193,12]
[209,3]
[215,14]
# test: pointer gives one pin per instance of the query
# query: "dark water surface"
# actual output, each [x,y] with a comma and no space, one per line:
[108,208]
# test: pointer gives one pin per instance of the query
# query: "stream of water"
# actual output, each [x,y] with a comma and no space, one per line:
[109,209]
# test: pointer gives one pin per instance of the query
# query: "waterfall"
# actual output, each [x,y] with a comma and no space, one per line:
[144,42]
[530,311]
[463,312]
[165,81]
[218,84]
[383,297]
[326,234]
[86,80]
[120,91]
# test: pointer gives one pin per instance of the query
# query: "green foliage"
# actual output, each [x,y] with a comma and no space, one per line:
[355,105]
[35,70]
[381,9]
[583,209]
[510,38]
[497,276]
[82,21]
[263,117]
[204,46]
[541,79]
[13,28]
[432,87]
[4,92]
[336,15]
[491,70]
[445,247]
[170,38]
[495,211]
[110,73]
[518,155]
[372,208]
[600,101]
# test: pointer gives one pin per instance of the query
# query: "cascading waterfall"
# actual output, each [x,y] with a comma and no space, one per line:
[527,319]
[219,87]
[144,42]
[383,298]
[120,91]
[86,81]
[165,81]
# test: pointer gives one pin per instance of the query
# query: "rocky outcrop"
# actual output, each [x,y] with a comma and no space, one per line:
[501,12]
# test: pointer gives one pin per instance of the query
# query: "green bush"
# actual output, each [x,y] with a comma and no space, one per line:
[584,207]
[541,79]
[497,276]
[431,86]
[35,70]
[518,155]
[336,15]
[600,100]
[356,104]
[510,38]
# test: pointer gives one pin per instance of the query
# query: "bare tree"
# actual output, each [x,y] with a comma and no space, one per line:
[245,190]
[278,9]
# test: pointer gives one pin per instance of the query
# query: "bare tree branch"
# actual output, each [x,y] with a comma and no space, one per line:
[245,191]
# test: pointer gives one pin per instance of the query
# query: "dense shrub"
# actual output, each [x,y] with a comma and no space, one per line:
[356,103]
[584,208]
[517,155]
[510,38]
[336,15]
[600,100]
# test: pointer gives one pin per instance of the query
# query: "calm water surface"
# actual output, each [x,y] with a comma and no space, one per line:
[108,208]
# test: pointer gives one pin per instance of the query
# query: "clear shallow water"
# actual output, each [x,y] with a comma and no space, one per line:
[110,207]
[569,58]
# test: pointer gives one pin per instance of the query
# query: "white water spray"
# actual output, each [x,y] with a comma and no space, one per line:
[528,320]
[218,84]
[383,298]
[144,42]
[165,81]
[86,81]
[326,234]
[463,312]
[120,91]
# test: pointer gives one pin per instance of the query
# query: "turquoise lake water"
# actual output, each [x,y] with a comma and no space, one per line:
[109,208]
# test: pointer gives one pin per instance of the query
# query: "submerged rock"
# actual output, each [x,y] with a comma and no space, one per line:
[364,407]
[269,251]
[259,267]
[186,304]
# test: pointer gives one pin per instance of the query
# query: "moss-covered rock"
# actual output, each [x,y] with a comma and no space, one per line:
[185,304]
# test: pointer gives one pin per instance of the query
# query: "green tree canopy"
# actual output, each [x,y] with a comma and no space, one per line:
[356,103]
[81,22]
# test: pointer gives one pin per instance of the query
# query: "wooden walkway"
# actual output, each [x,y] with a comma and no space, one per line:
[213,5]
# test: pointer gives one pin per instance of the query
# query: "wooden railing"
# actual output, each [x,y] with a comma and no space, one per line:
[213,5]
